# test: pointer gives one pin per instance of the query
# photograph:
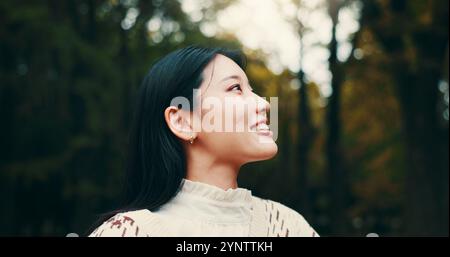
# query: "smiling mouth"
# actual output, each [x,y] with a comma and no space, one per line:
[267,133]
[261,128]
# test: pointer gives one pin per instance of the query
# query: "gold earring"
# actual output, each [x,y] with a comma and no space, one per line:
[191,140]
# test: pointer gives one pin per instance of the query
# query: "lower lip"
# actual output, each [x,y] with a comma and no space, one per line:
[267,133]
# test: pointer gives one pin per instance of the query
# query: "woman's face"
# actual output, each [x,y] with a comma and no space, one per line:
[232,121]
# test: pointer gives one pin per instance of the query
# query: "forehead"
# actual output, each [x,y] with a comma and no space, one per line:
[221,67]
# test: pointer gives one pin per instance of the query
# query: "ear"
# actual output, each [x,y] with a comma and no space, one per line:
[179,122]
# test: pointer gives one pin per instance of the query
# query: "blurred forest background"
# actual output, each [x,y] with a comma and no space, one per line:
[369,156]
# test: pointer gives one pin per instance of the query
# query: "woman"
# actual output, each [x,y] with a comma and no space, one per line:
[182,174]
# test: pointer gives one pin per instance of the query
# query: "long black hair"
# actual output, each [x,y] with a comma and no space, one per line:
[156,161]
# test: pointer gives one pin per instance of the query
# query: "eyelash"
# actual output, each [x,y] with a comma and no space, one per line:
[236,86]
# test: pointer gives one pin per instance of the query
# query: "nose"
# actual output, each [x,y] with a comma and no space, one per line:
[262,105]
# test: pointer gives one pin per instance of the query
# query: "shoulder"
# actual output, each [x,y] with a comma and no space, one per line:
[127,224]
[284,221]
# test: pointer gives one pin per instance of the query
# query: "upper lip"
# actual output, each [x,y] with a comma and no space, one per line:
[261,121]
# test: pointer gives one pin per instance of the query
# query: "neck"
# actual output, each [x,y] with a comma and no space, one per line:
[203,167]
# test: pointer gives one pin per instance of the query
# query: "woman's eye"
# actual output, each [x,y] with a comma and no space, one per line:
[236,87]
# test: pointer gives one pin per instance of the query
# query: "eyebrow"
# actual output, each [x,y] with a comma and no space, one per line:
[234,77]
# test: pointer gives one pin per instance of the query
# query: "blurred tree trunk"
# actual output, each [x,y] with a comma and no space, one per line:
[91,28]
[285,149]
[336,175]
[126,63]
[417,81]
[305,127]
[306,137]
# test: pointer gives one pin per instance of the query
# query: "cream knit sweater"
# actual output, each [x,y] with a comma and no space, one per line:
[201,209]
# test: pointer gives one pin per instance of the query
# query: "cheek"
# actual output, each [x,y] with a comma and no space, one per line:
[235,141]
[245,144]
[236,115]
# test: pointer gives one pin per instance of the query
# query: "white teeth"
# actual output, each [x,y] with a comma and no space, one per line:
[262,126]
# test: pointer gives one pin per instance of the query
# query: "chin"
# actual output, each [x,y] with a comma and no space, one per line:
[266,151]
